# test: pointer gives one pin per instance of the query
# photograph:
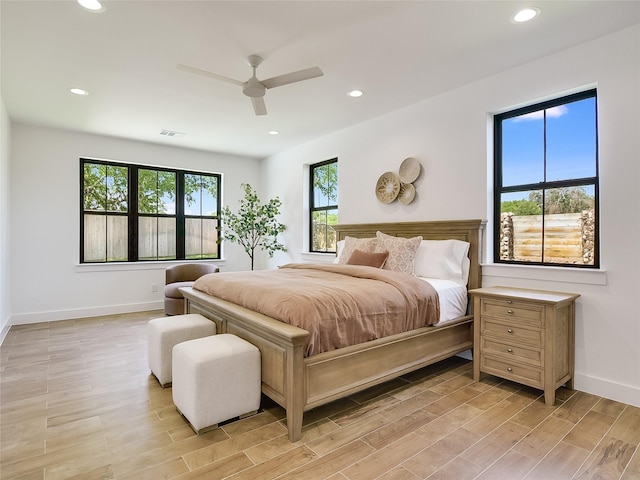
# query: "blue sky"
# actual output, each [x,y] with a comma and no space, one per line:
[571,144]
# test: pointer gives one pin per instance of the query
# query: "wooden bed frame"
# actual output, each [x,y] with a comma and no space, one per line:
[299,384]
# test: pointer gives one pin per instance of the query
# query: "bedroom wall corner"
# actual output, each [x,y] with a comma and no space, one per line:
[5,185]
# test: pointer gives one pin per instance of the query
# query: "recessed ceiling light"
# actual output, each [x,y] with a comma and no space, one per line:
[78,91]
[356,93]
[92,5]
[526,14]
[273,132]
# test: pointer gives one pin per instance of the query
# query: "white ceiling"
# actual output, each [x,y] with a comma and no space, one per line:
[397,52]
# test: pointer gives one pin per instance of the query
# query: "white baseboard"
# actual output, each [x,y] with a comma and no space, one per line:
[4,331]
[39,317]
[619,392]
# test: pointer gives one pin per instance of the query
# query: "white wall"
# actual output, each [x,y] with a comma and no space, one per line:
[450,136]
[46,281]
[5,285]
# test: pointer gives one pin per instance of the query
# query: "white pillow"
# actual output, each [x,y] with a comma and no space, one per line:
[339,248]
[446,259]
[352,243]
[402,252]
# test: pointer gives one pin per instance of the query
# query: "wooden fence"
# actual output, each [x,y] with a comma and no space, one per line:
[106,236]
[567,238]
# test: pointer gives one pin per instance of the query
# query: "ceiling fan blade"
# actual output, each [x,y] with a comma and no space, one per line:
[258,105]
[292,77]
[197,71]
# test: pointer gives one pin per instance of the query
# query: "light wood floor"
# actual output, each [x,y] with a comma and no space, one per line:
[78,402]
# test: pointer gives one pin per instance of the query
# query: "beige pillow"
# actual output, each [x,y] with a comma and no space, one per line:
[376,259]
[402,252]
[352,243]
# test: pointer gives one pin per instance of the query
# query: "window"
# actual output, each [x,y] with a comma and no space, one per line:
[136,213]
[546,183]
[323,206]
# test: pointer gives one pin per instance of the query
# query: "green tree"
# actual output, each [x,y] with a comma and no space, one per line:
[325,179]
[154,186]
[106,188]
[521,207]
[199,185]
[557,200]
[564,200]
[254,225]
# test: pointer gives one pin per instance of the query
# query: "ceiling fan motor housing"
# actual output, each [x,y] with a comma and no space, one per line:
[253,88]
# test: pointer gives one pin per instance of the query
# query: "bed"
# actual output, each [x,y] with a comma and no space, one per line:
[300,382]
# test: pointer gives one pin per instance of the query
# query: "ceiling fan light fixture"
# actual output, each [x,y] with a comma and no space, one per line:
[526,14]
[92,5]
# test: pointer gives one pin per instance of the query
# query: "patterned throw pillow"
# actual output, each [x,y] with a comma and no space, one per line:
[402,252]
[352,243]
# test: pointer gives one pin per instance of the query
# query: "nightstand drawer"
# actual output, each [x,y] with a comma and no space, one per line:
[512,309]
[512,332]
[512,351]
[512,371]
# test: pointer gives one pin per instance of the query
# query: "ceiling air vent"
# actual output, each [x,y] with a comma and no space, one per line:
[171,133]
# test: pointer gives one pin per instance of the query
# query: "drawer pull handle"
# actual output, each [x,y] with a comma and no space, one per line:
[509,369]
[509,302]
[509,350]
[509,312]
[509,330]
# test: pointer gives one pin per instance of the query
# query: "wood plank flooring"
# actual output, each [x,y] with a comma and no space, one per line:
[78,402]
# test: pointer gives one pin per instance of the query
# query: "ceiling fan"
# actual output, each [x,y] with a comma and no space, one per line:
[254,88]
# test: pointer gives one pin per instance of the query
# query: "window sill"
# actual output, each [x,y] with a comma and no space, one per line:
[133,266]
[316,257]
[550,274]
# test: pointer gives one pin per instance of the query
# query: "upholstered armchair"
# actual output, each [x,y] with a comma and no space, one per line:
[182,275]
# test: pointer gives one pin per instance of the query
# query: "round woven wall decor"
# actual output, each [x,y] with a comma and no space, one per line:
[407,193]
[387,187]
[409,170]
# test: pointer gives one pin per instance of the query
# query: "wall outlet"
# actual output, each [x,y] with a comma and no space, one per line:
[154,287]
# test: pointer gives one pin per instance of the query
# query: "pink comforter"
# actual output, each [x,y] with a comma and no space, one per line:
[339,305]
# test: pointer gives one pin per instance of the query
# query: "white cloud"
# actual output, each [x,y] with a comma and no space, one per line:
[553,112]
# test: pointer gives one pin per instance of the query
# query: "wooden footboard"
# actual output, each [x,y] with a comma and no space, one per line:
[332,375]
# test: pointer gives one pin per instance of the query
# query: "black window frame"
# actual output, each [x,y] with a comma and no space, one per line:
[313,208]
[132,214]
[499,189]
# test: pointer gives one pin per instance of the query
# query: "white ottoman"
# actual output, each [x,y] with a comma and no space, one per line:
[215,379]
[165,332]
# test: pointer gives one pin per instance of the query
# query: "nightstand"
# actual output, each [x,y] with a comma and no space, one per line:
[526,336]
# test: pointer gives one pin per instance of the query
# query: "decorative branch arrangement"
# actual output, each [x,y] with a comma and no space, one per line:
[255,225]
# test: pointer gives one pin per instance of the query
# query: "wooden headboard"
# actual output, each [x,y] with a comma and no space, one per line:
[465,230]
